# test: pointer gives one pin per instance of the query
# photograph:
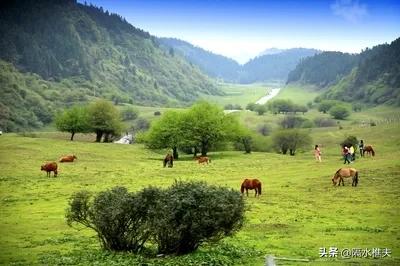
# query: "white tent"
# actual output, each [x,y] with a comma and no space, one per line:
[127,139]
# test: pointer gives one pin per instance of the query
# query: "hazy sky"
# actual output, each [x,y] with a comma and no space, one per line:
[242,29]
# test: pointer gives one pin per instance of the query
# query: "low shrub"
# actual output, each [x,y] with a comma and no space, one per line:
[324,122]
[339,112]
[189,214]
[178,219]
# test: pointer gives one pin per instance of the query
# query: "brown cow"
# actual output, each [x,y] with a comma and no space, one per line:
[68,159]
[204,160]
[50,167]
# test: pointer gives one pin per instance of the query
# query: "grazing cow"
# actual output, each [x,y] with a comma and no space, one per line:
[203,159]
[50,167]
[68,159]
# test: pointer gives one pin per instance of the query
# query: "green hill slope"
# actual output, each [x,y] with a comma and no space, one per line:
[371,77]
[214,65]
[273,66]
[95,52]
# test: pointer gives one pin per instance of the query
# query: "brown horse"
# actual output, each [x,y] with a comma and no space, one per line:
[251,184]
[369,150]
[345,173]
[68,159]
[169,159]
[203,159]
[49,167]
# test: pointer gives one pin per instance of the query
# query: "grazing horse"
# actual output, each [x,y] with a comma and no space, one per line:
[251,184]
[369,150]
[169,159]
[345,173]
[68,159]
[203,159]
[49,167]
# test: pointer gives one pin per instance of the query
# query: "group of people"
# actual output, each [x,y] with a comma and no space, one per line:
[347,152]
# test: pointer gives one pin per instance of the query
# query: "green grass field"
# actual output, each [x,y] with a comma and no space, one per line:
[241,94]
[299,211]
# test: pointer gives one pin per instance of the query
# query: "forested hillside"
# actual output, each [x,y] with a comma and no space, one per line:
[273,66]
[323,69]
[372,76]
[96,53]
[214,65]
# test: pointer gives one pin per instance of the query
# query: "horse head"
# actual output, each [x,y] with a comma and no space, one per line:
[335,177]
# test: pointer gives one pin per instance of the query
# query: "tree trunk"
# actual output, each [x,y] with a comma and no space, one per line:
[106,137]
[195,151]
[246,144]
[204,148]
[72,136]
[99,134]
[292,152]
[175,153]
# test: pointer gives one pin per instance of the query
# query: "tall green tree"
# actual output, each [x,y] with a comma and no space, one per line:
[104,119]
[206,125]
[166,132]
[73,120]
[290,140]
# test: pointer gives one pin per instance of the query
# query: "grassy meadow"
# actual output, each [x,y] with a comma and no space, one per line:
[298,213]
[241,94]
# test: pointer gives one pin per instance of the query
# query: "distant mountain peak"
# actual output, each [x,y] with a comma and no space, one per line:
[271,51]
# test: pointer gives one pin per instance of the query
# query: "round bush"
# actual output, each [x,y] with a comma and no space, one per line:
[192,213]
[178,219]
[339,112]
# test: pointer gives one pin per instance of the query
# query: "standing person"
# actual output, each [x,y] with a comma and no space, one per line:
[361,147]
[346,155]
[352,154]
[317,153]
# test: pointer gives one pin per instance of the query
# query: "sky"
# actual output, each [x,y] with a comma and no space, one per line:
[243,29]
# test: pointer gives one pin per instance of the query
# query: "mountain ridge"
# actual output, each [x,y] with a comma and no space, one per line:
[79,48]
[275,66]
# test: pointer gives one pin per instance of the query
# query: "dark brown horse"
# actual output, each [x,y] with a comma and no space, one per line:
[169,160]
[49,167]
[251,184]
[345,173]
[369,150]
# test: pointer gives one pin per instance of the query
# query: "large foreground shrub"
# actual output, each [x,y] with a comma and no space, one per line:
[118,217]
[191,213]
[178,219]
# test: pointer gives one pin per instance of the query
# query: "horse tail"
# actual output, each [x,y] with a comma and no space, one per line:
[259,188]
[356,177]
[242,188]
[373,152]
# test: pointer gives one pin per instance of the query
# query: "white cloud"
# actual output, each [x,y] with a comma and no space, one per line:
[351,10]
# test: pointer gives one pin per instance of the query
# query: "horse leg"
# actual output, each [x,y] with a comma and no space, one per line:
[247,192]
